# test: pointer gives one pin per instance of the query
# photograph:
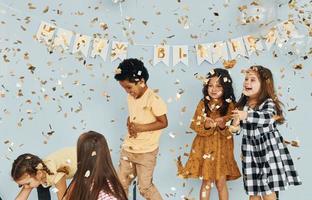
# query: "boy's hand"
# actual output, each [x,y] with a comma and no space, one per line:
[221,122]
[239,114]
[130,128]
[133,129]
[209,123]
[128,122]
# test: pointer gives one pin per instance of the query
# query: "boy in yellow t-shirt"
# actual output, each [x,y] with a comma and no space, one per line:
[147,116]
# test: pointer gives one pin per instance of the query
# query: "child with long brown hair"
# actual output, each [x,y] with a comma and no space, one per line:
[29,172]
[96,178]
[266,162]
[212,155]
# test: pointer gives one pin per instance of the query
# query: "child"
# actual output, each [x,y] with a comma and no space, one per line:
[211,158]
[96,178]
[267,165]
[147,116]
[29,172]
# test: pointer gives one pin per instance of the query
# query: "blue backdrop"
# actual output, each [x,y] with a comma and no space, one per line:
[69,94]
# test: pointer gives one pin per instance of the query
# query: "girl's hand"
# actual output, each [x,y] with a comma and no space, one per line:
[235,121]
[221,122]
[209,123]
[239,114]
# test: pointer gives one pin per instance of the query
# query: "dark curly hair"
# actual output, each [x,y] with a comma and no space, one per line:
[131,69]
[228,92]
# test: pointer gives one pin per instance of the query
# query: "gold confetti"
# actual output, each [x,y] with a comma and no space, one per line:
[46,9]
[228,64]
[298,66]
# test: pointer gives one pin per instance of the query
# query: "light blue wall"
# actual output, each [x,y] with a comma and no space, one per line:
[108,115]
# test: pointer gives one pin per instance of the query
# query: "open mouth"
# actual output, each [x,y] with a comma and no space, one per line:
[248,88]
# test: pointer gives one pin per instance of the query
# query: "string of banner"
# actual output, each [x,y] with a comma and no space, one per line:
[55,37]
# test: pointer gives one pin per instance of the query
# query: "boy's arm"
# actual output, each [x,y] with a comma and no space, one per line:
[61,186]
[161,122]
[23,194]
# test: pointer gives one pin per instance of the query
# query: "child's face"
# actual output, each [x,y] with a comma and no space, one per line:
[28,181]
[136,90]
[215,89]
[252,85]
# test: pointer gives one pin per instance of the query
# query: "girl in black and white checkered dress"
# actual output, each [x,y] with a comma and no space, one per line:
[266,163]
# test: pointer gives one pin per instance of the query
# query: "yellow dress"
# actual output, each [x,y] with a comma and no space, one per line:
[211,156]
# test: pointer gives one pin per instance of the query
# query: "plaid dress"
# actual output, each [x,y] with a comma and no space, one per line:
[266,163]
[105,196]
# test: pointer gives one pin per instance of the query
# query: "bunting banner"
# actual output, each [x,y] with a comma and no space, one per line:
[214,52]
[286,31]
[203,54]
[100,48]
[63,38]
[180,54]
[45,33]
[253,44]
[237,47]
[219,51]
[119,50]
[81,44]
[161,54]
[271,37]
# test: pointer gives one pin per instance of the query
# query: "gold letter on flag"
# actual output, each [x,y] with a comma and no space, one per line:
[161,54]
[119,50]
[180,54]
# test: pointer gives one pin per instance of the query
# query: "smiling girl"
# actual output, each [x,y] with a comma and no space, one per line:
[211,158]
[266,162]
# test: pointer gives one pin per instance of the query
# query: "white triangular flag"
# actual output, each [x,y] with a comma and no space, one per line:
[253,44]
[161,54]
[219,51]
[203,53]
[236,47]
[271,37]
[63,38]
[286,30]
[119,50]
[81,44]
[100,47]
[180,54]
[45,32]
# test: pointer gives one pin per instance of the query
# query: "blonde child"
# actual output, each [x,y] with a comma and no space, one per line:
[211,158]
